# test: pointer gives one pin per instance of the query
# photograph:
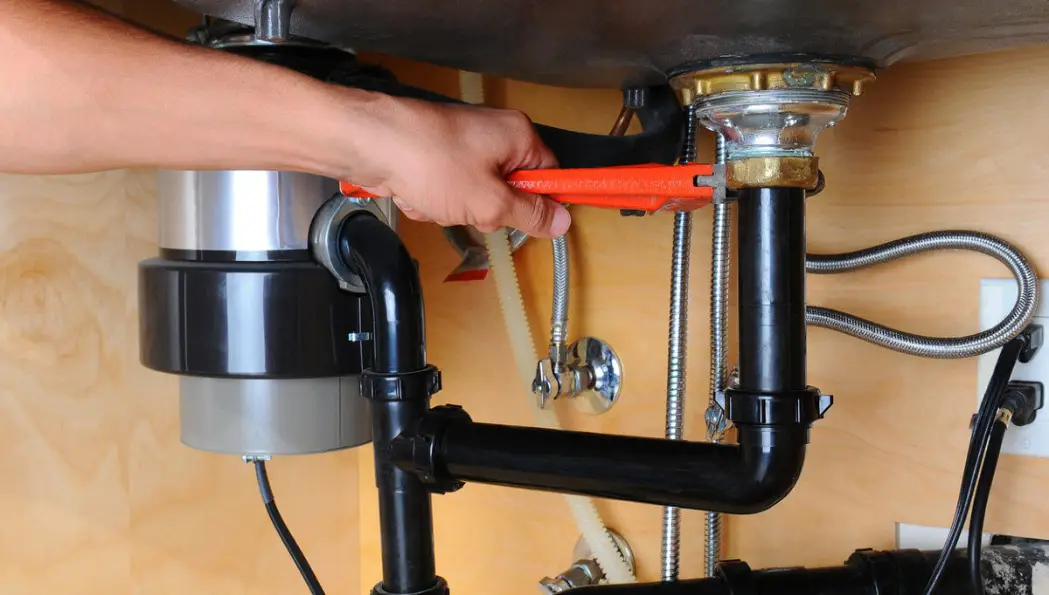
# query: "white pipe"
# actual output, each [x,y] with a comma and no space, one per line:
[500,259]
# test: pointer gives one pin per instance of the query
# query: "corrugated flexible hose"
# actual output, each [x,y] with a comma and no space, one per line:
[934,347]
[559,311]
[586,515]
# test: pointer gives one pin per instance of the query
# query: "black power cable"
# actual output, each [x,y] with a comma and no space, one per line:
[978,444]
[282,530]
[983,494]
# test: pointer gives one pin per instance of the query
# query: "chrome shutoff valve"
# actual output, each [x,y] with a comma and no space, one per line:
[585,571]
[590,371]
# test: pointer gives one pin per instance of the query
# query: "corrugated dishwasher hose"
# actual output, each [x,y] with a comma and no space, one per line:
[515,316]
[934,347]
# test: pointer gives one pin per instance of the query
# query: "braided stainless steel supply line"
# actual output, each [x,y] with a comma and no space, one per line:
[935,347]
[676,356]
[720,265]
[559,315]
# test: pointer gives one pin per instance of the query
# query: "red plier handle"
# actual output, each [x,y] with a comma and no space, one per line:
[650,187]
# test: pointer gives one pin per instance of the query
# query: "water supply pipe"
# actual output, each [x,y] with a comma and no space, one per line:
[677,353]
[935,347]
[720,266]
[515,316]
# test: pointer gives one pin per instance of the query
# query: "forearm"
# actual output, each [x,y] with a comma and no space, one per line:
[84,92]
[81,91]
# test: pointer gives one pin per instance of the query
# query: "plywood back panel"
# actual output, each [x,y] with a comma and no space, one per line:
[948,144]
[100,496]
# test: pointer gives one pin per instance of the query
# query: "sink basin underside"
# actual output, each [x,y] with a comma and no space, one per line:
[609,43]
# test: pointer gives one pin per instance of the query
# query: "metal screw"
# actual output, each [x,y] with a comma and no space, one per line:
[359,337]
[358,202]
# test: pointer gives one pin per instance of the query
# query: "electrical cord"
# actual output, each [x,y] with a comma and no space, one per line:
[983,494]
[978,445]
[282,530]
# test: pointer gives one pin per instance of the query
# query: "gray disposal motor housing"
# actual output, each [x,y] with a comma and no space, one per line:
[267,341]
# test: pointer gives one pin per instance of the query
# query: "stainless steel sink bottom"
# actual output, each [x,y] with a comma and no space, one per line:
[608,43]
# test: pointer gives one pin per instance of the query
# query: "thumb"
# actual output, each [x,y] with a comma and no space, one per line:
[537,215]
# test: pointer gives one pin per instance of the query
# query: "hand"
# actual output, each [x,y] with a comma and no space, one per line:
[448,164]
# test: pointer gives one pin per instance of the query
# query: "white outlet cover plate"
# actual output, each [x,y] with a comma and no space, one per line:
[997,297]
[920,537]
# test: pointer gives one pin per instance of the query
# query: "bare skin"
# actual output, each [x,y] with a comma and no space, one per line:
[82,91]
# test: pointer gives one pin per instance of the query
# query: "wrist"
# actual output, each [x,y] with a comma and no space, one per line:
[341,136]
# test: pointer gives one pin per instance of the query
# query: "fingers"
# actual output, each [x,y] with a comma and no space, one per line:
[528,150]
[537,215]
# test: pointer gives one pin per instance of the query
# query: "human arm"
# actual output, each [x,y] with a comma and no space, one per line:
[83,91]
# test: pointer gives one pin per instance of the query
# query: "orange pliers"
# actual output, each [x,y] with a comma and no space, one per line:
[649,187]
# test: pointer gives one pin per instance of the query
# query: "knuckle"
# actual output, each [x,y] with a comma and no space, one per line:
[537,213]
[519,119]
[491,218]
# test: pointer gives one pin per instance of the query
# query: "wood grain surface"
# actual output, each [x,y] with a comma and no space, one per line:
[99,495]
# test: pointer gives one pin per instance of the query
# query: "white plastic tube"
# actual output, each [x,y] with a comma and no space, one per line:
[515,316]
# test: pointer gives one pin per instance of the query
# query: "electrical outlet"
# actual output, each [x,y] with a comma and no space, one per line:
[920,537]
[997,298]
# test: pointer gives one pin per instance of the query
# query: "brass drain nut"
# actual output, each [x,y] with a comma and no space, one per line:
[767,172]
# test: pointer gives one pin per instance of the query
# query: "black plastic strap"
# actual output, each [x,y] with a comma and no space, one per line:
[798,407]
[424,448]
[441,588]
[880,566]
[398,387]
[737,577]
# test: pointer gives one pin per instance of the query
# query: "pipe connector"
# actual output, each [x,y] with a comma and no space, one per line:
[273,20]
[771,123]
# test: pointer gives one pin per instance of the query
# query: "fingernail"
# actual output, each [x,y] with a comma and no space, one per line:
[561,223]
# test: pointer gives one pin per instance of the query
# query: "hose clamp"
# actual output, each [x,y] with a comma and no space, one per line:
[324,237]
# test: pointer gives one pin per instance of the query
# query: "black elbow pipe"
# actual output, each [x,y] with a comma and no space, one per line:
[743,479]
[772,407]
[400,385]
[394,291]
